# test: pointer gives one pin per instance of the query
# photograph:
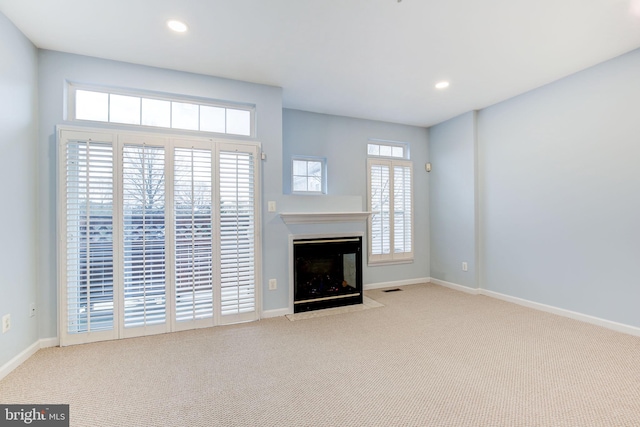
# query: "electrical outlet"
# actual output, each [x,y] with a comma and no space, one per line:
[465,266]
[32,309]
[6,323]
[273,284]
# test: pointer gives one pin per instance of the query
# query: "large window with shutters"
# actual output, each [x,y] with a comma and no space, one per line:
[156,234]
[390,201]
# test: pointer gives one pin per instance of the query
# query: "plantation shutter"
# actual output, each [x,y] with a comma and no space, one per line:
[390,201]
[193,216]
[380,206]
[87,277]
[237,235]
[143,200]
[155,234]
[402,211]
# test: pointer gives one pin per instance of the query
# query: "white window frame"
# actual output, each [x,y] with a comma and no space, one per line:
[72,88]
[323,173]
[118,139]
[392,257]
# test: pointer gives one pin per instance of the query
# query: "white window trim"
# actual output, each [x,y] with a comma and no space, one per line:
[323,177]
[72,87]
[169,141]
[392,257]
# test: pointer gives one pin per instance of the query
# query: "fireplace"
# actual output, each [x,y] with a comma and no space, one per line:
[327,272]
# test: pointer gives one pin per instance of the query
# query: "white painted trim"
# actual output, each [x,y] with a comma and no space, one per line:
[49,342]
[618,327]
[455,286]
[25,354]
[19,359]
[396,283]
[608,324]
[268,314]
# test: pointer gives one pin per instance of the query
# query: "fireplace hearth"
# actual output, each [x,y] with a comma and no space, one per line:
[327,273]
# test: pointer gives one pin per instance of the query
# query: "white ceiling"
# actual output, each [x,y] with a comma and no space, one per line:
[375,59]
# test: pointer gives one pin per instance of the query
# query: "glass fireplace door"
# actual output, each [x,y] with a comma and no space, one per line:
[327,273]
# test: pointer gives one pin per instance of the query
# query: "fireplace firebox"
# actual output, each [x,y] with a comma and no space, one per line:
[327,273]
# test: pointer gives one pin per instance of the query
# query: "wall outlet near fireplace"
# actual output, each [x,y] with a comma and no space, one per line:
[465,266]
[273,284]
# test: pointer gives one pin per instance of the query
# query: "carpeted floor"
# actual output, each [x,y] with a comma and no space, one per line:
[430,356]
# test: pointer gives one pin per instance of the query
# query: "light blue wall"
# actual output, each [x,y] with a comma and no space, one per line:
[452,151]
[55,68]
[343,141]
[560,193]
[18,232]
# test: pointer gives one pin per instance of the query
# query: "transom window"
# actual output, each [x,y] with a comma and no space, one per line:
[387,149]
[309,175]
[103,105]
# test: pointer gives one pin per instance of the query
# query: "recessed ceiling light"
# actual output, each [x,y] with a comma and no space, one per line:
[442,85]
[177,26]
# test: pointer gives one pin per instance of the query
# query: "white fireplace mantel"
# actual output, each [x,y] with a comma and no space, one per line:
[323,217]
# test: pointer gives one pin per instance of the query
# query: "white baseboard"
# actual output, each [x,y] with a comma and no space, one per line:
[396,283]
[609,324]
[25,354]
[49,342]
[615,326]
[455,286]
[275,313]
[19,359]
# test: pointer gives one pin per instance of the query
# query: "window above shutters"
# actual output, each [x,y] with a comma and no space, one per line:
[396,150]
[130,107]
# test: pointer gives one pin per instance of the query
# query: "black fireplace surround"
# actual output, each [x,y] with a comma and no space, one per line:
[327,272]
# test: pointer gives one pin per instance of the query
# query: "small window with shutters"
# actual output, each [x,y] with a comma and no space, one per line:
[390,200]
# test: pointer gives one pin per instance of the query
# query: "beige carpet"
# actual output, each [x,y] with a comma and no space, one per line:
[430,357]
